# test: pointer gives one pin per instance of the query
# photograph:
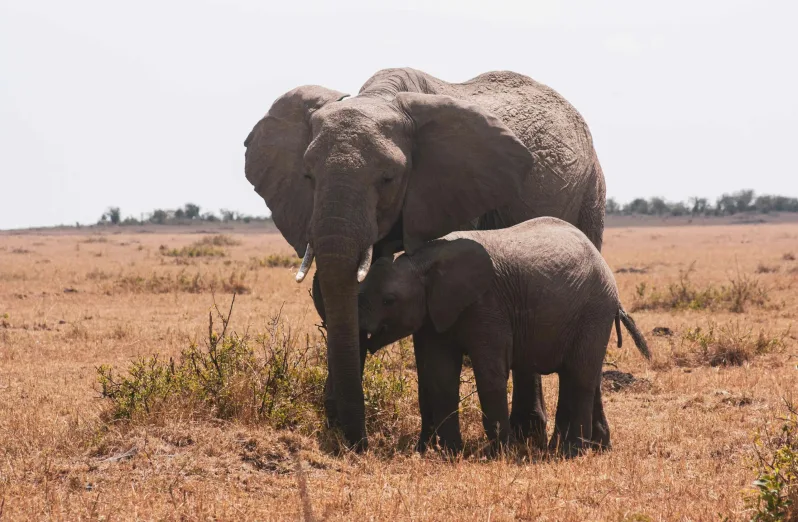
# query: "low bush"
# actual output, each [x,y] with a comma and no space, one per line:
[276,378]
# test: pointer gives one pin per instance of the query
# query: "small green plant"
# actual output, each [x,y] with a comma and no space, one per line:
[775,495]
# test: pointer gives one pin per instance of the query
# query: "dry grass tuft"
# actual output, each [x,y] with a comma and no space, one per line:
[725,345]
[275,261]
[195,283]
[766,269]
[740,292]
[208,246]
[218,240]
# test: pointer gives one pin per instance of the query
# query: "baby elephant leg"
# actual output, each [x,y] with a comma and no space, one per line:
[439,365]
[424,399]
[528,418]
[573,423]
[601,429]
[491,374]
[579,407]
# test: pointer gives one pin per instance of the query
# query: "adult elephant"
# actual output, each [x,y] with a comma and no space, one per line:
[407,160]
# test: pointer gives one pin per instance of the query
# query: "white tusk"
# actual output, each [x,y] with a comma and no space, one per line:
[365,264]
[305,266]
[368,335]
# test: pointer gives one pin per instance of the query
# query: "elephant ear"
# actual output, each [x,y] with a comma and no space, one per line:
[460,271]
[466,162]
[274,160]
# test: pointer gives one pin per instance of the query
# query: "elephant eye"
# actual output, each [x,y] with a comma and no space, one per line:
[386,180]
[308,175]
[388,300]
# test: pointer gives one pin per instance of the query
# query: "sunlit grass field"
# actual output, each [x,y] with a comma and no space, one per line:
[233,429]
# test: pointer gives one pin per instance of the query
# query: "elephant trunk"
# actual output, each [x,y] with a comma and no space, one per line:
[340,244]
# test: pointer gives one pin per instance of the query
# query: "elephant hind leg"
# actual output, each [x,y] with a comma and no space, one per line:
[579,406]
[601,428]
[591,214]
[573,422]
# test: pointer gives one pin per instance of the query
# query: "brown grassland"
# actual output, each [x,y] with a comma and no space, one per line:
[683,432]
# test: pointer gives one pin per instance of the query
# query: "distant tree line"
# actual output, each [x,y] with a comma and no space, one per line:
[726,205]
[186,214]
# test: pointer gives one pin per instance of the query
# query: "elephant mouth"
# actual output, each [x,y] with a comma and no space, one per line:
[375,339]
[374,332]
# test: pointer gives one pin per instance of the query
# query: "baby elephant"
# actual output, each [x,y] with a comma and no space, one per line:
[536,298]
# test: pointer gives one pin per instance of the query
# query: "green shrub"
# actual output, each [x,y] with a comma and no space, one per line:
[275,378]
[775,495]
[269,378]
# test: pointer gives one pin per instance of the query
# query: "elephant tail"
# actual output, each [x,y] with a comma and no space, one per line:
[622,317]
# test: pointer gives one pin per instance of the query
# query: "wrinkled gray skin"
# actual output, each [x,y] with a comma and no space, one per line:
[411,158]
[536,298]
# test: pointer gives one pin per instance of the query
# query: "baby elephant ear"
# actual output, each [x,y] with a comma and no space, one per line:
[460,272]
[274,160]
[466,162]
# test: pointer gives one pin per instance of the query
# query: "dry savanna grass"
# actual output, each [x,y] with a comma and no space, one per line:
[121,401]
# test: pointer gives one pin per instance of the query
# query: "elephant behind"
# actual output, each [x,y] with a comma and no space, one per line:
[409,159]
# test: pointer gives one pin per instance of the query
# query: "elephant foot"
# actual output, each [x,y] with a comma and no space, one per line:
[601,437]
[568,447]
[531,429]
[450,447]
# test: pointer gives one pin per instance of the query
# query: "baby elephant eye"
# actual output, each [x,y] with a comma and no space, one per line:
[388,300]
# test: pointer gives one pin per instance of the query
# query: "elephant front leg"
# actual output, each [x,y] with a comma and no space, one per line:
[330,407]
[491,379]
[528,418]
[439,364]
[424,400]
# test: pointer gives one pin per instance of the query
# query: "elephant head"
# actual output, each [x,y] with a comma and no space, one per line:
[436,284]
[339,173]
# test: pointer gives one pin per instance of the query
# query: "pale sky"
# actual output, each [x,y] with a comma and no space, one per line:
[146,104]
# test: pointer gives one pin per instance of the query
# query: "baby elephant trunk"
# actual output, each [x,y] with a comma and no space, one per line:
[622,317]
